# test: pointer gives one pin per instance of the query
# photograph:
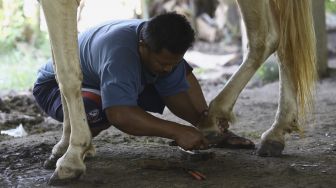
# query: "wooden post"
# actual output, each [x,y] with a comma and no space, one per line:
[321,37]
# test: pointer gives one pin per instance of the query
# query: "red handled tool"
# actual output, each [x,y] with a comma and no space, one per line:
[195,174]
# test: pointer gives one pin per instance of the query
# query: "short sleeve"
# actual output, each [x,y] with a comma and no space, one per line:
[120,79]
[173,83]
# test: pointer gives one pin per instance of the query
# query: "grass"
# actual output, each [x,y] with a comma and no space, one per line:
[18,67]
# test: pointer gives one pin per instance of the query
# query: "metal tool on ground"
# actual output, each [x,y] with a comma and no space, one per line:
[196,155]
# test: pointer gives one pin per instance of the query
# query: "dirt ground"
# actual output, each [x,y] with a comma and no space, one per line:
[122,160]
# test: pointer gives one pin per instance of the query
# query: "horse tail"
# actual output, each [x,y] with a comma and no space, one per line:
[297,49]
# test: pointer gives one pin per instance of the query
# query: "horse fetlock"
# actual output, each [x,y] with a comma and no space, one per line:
[230,116]
[221,112]
[57,152]
[273,134]
[294,126]
[287,125]
[215,121]
[78,151]
[91,152]
[60,148]
[208,125]
[50,163]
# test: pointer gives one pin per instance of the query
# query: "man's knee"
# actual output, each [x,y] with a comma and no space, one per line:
[95,115]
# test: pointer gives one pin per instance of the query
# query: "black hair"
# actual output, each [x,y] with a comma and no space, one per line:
[169,31]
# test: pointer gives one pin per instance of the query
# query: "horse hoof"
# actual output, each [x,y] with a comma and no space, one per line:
[230,140]
[55,180]
[270,149]
[50,163]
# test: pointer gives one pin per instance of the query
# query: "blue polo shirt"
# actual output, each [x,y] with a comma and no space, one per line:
[110,62]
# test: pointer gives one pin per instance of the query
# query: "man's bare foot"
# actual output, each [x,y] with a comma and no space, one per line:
[228,139]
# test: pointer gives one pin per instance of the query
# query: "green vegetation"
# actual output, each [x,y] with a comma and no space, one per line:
[23,47]
[330,6]
[15,27]
[269,71]
[18,67]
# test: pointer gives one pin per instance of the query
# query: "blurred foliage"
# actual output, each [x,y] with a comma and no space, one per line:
[269,71]
[18,68]
[330,6]
[12,25]
[23,48]
[16,27]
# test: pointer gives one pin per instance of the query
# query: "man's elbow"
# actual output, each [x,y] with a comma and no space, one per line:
[116,116]
[122,120]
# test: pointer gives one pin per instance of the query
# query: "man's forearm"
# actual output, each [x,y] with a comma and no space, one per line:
[196,94]
[182,106]
[188,105]
[135,121]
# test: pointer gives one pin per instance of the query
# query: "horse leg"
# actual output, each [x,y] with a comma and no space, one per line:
[286,120]
[60,148]
[297,73]
[263,41]
[61,20]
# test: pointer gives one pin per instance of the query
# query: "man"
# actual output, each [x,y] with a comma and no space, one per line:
[130,67]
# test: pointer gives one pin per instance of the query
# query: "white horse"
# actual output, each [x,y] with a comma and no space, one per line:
[280,26]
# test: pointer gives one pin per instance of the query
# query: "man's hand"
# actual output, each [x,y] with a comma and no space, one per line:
[190,138]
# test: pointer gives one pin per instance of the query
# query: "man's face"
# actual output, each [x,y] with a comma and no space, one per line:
[159,63]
